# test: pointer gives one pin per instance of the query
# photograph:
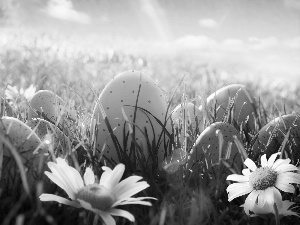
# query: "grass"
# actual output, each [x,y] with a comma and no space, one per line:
[183,197]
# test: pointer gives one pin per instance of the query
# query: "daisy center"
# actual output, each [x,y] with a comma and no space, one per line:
[97,195]
[262,178]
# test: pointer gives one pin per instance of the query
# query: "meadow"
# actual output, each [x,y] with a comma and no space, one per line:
[78,75]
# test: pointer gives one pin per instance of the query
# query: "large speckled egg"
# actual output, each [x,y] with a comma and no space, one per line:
[49,106]
[207,144]
[243,108]
[125,91]
[277,128]
[193,117]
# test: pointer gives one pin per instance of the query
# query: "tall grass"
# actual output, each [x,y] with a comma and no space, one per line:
[183,197]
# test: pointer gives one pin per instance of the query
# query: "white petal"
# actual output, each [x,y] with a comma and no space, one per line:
[86,205]
[285,168]
[108,219]
[55,198]
[279,162]
[132,180]
[238,189]
[131,201]
[270,196]
[272,159]
[89,177]
[238,178]
[66,173]
[284,186]
[72,175]
[250,164]
[264,161]
[250,201]
[131,190]
[122,213]
[115,177]
[289,177]
[105,177]
[246,172]
[122,202]
[63,184]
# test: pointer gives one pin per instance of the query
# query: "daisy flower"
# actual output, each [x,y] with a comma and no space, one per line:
[264,183]
[12,92]
[100,198]
[284,210]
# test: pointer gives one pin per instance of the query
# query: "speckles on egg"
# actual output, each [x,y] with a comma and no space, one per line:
[243,107]
[278,128]
[208,144]
[122,92]
[21,136]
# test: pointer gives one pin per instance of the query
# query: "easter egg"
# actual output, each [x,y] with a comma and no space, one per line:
[190,114]
[238,99]
[207,144]
[49,133]
[271,136]
[145,109]
[49,106]
[25,141]
[20,135]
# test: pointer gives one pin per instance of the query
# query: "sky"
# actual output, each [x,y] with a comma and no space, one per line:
[262,35]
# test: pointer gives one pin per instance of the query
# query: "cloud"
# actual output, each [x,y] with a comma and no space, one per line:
[208,23]
[260,44]
[195,42]
[64,10]
[293,43]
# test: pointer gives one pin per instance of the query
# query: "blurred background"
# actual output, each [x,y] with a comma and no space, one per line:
[258,38]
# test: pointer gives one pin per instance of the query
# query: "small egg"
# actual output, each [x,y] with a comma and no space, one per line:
[244,110]
[193,117]
[208,144]
[271,136]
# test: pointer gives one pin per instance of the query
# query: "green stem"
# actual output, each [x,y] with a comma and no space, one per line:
[276,214]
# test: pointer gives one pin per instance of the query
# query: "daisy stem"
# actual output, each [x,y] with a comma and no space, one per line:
[276,214]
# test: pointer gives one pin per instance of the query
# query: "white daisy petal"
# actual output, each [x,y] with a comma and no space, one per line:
[267,196]
[122,213]
[72,176]
[131,203]
[272,159]
[250,201]
[62,184]
[289,177]
[284,186]
[131,190]
[264,161]
[285,168]
[238,178]
[106,217]
[139,201]
[115,176]
[86,205]
[250,164]
[55,198]
[89,177]
[105,177]
[66,173]
[279,162]
[132,180]
[246,172]
[238,189]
